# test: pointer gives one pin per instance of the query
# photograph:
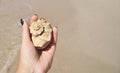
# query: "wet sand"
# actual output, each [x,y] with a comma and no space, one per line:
[89,34]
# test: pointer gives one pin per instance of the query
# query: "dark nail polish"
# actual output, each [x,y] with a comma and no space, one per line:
[21,21]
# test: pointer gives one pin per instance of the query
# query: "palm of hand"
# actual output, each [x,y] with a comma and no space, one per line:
[38,59]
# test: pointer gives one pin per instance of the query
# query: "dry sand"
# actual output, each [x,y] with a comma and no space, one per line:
[89,33]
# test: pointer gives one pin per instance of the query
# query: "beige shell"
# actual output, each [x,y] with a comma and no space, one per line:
[41,33]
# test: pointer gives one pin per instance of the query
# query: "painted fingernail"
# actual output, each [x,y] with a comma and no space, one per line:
[21,21]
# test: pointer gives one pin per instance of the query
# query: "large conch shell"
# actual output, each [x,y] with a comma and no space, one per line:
[41,33]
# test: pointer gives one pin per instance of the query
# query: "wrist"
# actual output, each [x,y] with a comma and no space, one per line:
[23,68]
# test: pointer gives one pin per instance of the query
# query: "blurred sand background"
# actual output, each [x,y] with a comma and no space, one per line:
[89,33]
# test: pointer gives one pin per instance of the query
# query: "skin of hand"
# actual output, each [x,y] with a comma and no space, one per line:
[31,59]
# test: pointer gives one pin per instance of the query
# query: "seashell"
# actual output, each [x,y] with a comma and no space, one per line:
[41,33]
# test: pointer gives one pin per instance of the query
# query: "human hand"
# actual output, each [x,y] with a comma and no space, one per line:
[34,60]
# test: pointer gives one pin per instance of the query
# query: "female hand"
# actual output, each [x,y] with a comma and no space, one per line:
[33,60]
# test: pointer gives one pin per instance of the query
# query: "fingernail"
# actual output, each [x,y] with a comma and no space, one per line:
[35,14]
[56,27]
[21,21]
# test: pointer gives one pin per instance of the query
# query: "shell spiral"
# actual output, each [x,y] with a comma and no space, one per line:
[41,33]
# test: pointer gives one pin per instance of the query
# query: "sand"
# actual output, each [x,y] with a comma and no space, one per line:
[89,33]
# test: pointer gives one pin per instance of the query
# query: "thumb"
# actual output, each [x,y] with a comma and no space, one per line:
[25,32]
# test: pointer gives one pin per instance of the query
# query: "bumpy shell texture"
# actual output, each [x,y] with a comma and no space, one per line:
[41,33]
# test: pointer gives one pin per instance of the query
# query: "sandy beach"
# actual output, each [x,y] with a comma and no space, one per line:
[89,33]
